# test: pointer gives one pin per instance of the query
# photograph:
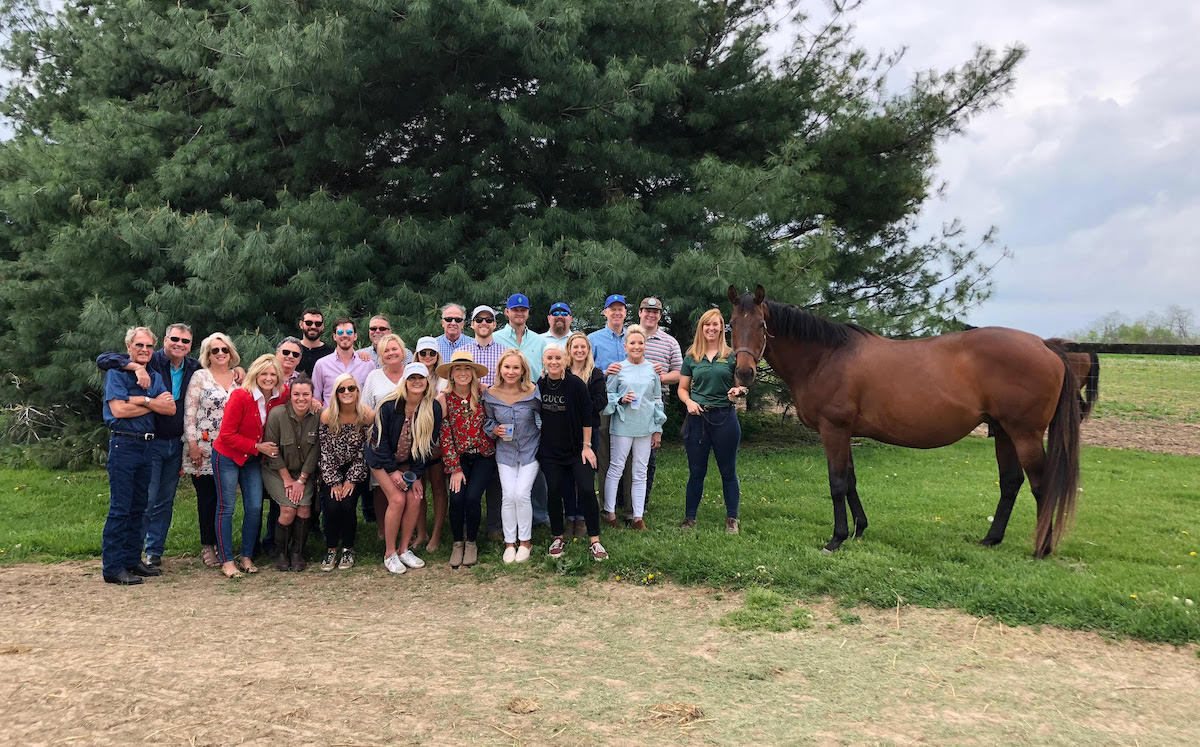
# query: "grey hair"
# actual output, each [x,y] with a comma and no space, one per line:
[286,340]
[179,326]
[133,332]
[452,305]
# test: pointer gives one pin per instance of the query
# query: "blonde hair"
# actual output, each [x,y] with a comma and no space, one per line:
[524,384]
[206,349]
[423,437]
[635,329]
[473,397]
[261,363]
[589,363]
[333,408]
[389,337]
[699,346]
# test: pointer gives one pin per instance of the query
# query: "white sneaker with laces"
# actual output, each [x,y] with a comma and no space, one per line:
[394,564]
[410,559]
[522,554]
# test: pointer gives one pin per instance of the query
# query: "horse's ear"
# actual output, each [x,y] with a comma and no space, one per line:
[759,295]
[733,294]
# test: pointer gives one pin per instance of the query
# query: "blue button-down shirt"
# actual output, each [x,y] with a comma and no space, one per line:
[607,347]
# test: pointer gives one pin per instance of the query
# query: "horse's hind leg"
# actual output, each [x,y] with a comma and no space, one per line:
[1033,458]
[856,509]
[837,457]
[1011,479]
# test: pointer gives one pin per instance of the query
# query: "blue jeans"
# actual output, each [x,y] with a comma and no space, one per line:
[128,486]
[166,459]
[541,512]
[720,432]
[228,477]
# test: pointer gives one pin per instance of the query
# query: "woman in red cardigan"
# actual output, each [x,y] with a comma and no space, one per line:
[236,460]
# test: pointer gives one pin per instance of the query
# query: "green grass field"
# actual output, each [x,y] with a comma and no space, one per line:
[1149,387]
[1127,567]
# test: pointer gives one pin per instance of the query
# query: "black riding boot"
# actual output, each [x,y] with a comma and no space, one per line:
[299,537]
[283,533]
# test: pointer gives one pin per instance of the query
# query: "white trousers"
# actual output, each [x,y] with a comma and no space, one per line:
[516,506]
[618,454]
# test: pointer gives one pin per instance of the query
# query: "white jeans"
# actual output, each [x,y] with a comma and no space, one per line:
[516,507]
[618,453]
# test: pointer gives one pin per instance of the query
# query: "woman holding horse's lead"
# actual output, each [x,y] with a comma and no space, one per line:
[707,389]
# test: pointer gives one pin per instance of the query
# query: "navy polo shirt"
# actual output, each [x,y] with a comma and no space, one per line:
[123,385]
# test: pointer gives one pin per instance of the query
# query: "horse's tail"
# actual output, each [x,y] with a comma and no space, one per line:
[1060,478]
[1092,382]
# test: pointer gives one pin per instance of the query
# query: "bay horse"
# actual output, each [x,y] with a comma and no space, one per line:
[847,381]
[1087,370]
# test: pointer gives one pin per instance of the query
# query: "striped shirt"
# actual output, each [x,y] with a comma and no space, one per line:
[488,355]
[663,348]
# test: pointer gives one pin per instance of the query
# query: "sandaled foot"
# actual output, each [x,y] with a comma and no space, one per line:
[247,566]
[230,570]
[432,546]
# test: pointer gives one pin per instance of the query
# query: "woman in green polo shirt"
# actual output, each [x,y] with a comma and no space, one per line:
[707,389]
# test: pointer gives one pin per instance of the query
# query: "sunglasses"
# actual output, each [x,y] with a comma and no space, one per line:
[431,353]
[380,329]
[343,332]
[143,345]
[289,353]
[453,319]
[484,320]
[311,323]
[222,351]
[184,340]
[343,389]
[560,313]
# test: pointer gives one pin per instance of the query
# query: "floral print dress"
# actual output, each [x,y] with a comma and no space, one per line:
[204,407]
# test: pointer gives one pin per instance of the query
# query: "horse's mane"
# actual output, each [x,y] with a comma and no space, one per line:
[790,321]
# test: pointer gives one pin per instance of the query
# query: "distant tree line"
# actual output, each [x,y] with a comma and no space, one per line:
[1175,325]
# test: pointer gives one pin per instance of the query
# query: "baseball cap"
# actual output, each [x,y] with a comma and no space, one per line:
[651,303]
[615,298]
[517,301]
[482,307]
[426,343]
[560,306]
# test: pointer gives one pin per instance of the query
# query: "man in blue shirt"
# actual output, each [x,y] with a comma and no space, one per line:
[516,334]
[175,369]
[452,337]
[129,412]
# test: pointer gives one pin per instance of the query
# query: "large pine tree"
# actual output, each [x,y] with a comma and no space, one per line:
[228,163]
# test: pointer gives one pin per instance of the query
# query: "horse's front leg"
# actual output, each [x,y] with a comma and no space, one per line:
[837,457]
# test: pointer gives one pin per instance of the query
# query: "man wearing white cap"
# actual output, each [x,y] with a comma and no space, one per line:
[517,334]
[485,349]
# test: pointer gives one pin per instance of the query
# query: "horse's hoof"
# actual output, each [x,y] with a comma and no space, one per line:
[989,542]
[858,531]
[833,545]
[826,551]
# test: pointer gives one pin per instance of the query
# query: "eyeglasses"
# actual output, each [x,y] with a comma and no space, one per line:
[143,345]
[350,388]
[343,332]
[380,329]
[225,351]
[453,319]
[184,340]
[484,320]
[560,313]
[311,323]
[289,353]
[430,353]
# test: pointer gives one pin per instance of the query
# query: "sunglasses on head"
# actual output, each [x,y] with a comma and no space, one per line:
[348,388]
[452,319]
[290,353]
[484,319]
[343,332]
[380,329]
[311,323]
[184,340]
[222,351]
[143,345]
[560,312]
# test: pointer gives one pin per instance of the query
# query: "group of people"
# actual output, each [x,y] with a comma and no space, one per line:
[527,424]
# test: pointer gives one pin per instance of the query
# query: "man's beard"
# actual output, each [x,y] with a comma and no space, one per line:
[312,334]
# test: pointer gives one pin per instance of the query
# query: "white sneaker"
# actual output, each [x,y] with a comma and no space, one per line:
[410,559]
[510,554]
[522,554]
[394,564]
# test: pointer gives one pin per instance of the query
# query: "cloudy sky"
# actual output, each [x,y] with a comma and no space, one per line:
[1090,169]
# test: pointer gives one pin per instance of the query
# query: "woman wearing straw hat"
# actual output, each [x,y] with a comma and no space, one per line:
[469,453]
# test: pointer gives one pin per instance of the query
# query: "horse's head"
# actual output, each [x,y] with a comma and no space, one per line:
[749,335]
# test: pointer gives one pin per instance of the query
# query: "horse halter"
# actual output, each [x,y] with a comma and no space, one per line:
[759,355]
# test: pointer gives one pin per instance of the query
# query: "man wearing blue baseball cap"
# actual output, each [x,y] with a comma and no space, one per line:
[516,334]
[559,323]
[608,351]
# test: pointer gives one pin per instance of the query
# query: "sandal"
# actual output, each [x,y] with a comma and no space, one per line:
[247,566]
[208,555]
[228,573]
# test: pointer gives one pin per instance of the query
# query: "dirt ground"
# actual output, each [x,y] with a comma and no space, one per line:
[441,657]
[1144,435]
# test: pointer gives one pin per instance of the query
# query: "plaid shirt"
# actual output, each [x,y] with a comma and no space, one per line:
[487,355]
